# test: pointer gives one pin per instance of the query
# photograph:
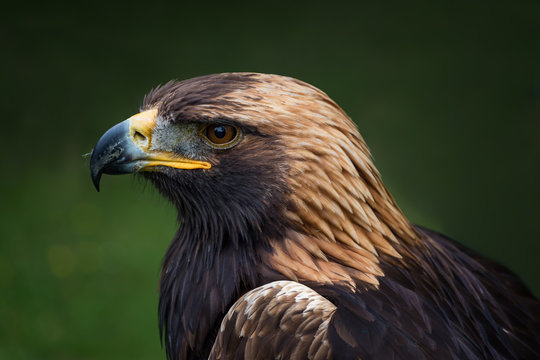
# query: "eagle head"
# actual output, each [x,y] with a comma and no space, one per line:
[251,153]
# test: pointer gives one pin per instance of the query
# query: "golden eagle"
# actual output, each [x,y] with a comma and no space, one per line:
[289,244]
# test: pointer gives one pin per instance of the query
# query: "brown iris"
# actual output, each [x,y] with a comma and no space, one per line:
[220,135]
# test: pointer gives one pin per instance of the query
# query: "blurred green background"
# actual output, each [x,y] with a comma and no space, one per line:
[446,94]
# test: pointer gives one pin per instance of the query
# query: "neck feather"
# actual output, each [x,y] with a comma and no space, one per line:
[210,263]
[198,284]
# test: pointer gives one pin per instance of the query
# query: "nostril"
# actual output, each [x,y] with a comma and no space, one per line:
[140,138]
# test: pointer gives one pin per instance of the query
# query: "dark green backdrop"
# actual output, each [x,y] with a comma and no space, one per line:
[446,94]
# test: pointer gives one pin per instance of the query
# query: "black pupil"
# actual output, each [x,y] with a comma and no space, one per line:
[220,132]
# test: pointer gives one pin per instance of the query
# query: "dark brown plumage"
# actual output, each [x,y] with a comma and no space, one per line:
[289,244]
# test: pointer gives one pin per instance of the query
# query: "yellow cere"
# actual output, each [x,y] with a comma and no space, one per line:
[141,127]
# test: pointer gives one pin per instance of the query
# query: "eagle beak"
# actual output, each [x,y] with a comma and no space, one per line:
[126,148]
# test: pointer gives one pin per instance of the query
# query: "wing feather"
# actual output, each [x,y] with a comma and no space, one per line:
[282,319]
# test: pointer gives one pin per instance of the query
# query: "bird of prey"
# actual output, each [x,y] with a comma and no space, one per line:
[290,246]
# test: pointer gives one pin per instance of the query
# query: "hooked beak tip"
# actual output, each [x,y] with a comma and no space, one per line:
[95,180]
[96,173]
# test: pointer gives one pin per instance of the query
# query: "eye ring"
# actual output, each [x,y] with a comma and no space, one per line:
[220,135]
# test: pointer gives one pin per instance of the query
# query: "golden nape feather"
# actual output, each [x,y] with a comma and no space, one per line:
[289,244]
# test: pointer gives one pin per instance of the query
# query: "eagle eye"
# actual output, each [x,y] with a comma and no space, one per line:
[218,135]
